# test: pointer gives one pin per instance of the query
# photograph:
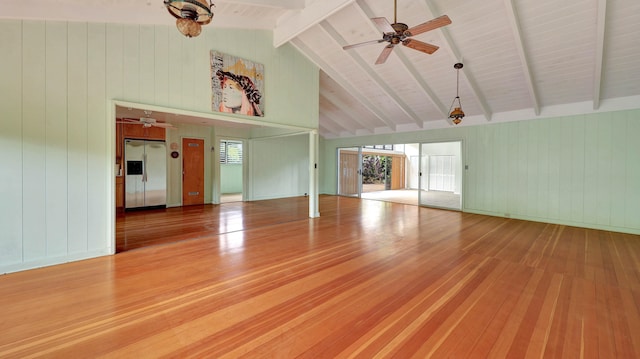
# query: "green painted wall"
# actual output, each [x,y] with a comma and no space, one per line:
[280,166]
[579,170]
[57,131]
[230,178]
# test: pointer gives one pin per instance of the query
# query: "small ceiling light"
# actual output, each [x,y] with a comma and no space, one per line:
[457,114]
[190,15]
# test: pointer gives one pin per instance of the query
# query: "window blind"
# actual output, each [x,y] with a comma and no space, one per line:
[230,152]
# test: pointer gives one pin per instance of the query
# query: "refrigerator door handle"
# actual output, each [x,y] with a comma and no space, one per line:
[144,167]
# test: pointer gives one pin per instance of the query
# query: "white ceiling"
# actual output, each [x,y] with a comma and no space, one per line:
[522,59]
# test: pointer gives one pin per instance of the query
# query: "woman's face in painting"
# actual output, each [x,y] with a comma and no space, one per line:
[231,94]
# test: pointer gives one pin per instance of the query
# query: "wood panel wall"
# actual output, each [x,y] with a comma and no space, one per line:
[57,138]
[578,170]
[280,167]
[581,170]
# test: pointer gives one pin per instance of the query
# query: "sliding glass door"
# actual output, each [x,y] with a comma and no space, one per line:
[441,175]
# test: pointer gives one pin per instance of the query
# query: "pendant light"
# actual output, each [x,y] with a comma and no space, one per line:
[457,114]
[190,15]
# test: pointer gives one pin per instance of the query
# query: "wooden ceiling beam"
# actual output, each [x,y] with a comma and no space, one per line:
[600,32]
[310,16]
[336,126]
[512,17]
[326,125]
[277,4]
[339,103]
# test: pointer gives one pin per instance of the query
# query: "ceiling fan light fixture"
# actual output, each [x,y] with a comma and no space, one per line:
[188,27]
[456,115]
[190,15]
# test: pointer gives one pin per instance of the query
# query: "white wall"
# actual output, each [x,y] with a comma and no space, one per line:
[57,128]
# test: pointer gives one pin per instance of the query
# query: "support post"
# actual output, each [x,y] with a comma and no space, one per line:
[313,175]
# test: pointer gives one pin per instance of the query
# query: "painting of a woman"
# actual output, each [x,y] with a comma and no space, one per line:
[237,85]
[239,94]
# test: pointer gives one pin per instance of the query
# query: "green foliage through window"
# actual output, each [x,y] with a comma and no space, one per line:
[375,169]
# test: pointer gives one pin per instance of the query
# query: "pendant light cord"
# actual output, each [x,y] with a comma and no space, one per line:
[457,82]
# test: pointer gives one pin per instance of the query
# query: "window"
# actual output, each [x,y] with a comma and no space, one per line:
[380,147]
[230,152]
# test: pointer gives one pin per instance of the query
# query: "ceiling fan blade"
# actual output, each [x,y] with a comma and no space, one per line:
[163,125]
[384,54]
[127,120]
[347,47]
[383,25]
[429,25]
[420,46]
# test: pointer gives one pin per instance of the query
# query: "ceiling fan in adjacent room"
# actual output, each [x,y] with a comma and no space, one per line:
[398,32]
[147,121]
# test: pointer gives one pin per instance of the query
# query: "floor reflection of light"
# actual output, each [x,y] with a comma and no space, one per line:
[373,214]
[232,242]
[231,221]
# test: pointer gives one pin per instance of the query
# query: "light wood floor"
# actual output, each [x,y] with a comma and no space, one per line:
[367,279]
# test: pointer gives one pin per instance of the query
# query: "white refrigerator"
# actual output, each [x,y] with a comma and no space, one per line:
[145,174]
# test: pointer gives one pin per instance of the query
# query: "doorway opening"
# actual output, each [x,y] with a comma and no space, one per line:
[379,172]
[129,228]
[386,173]
[441,175]
[426,174]
[231,171]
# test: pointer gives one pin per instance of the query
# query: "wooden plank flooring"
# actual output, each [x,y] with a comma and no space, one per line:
[143,228]
[367,279]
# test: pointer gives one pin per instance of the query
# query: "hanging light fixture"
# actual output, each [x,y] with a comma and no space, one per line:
[457,114]
[190,15]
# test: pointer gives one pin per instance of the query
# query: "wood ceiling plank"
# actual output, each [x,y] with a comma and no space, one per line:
[466,73]
[373,75]
[336,76]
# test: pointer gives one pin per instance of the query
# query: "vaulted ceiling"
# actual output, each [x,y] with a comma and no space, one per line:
[522,59]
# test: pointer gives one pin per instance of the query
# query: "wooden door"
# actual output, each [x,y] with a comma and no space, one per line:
[348,175]
[192,171]
[397,171]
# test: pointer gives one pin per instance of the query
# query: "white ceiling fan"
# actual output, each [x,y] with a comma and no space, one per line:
[147,121]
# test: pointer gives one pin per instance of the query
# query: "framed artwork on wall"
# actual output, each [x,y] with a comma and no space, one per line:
[237,85]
